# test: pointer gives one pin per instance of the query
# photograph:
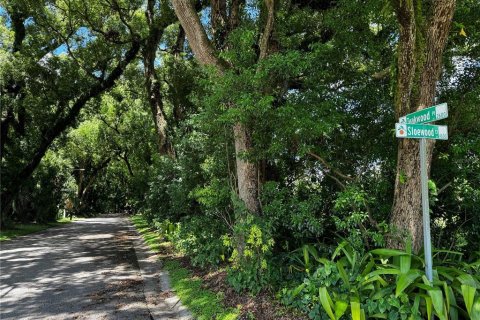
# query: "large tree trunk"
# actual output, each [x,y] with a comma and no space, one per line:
[420,50]
[247,175]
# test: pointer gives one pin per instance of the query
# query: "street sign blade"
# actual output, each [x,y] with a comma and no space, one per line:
[426,115]
[419,131]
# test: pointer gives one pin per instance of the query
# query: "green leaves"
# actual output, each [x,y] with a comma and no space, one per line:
[343,273]
[468,294]
[357,311]
[468,288]
[390,284]
[326,302]
[405,280]
[389,252]
[339,307]
[437,302]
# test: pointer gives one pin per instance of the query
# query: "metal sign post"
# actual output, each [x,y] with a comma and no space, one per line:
[427,242]
[410,126]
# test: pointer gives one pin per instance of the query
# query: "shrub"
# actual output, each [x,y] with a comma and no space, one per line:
[387,284]
[157,200]
[299,211]
[40,198]
[251,269]
[352,218]
[200,238]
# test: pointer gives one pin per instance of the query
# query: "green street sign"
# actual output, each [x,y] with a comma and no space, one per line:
[420,131]
[434,113]
[410,126]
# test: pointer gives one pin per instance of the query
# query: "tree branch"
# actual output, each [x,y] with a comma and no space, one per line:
[18,21]
[268,29]
[329,167]
[124,157]
[444,187]
[179,43]
[382,74]
[197,37]
[94,174]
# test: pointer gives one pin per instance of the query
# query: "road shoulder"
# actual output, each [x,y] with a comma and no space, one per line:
[162,302]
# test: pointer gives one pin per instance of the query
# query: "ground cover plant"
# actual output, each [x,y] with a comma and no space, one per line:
[387,284]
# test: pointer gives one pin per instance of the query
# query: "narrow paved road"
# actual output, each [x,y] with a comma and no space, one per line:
[84,270]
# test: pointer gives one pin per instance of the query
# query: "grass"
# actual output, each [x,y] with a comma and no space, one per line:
[203,304]
[24,229]
[153,239]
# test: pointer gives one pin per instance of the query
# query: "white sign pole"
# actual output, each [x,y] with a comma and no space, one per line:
[425,210]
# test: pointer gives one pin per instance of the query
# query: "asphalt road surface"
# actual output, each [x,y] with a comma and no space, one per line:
[83,270]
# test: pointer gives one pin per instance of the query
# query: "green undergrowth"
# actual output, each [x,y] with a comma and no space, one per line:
[153,239]
[24,229]
[204,304]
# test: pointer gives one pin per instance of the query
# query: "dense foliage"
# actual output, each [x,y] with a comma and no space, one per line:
[106,108]
[386,282]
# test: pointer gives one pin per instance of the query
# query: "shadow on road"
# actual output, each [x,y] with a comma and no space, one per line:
[84,270]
